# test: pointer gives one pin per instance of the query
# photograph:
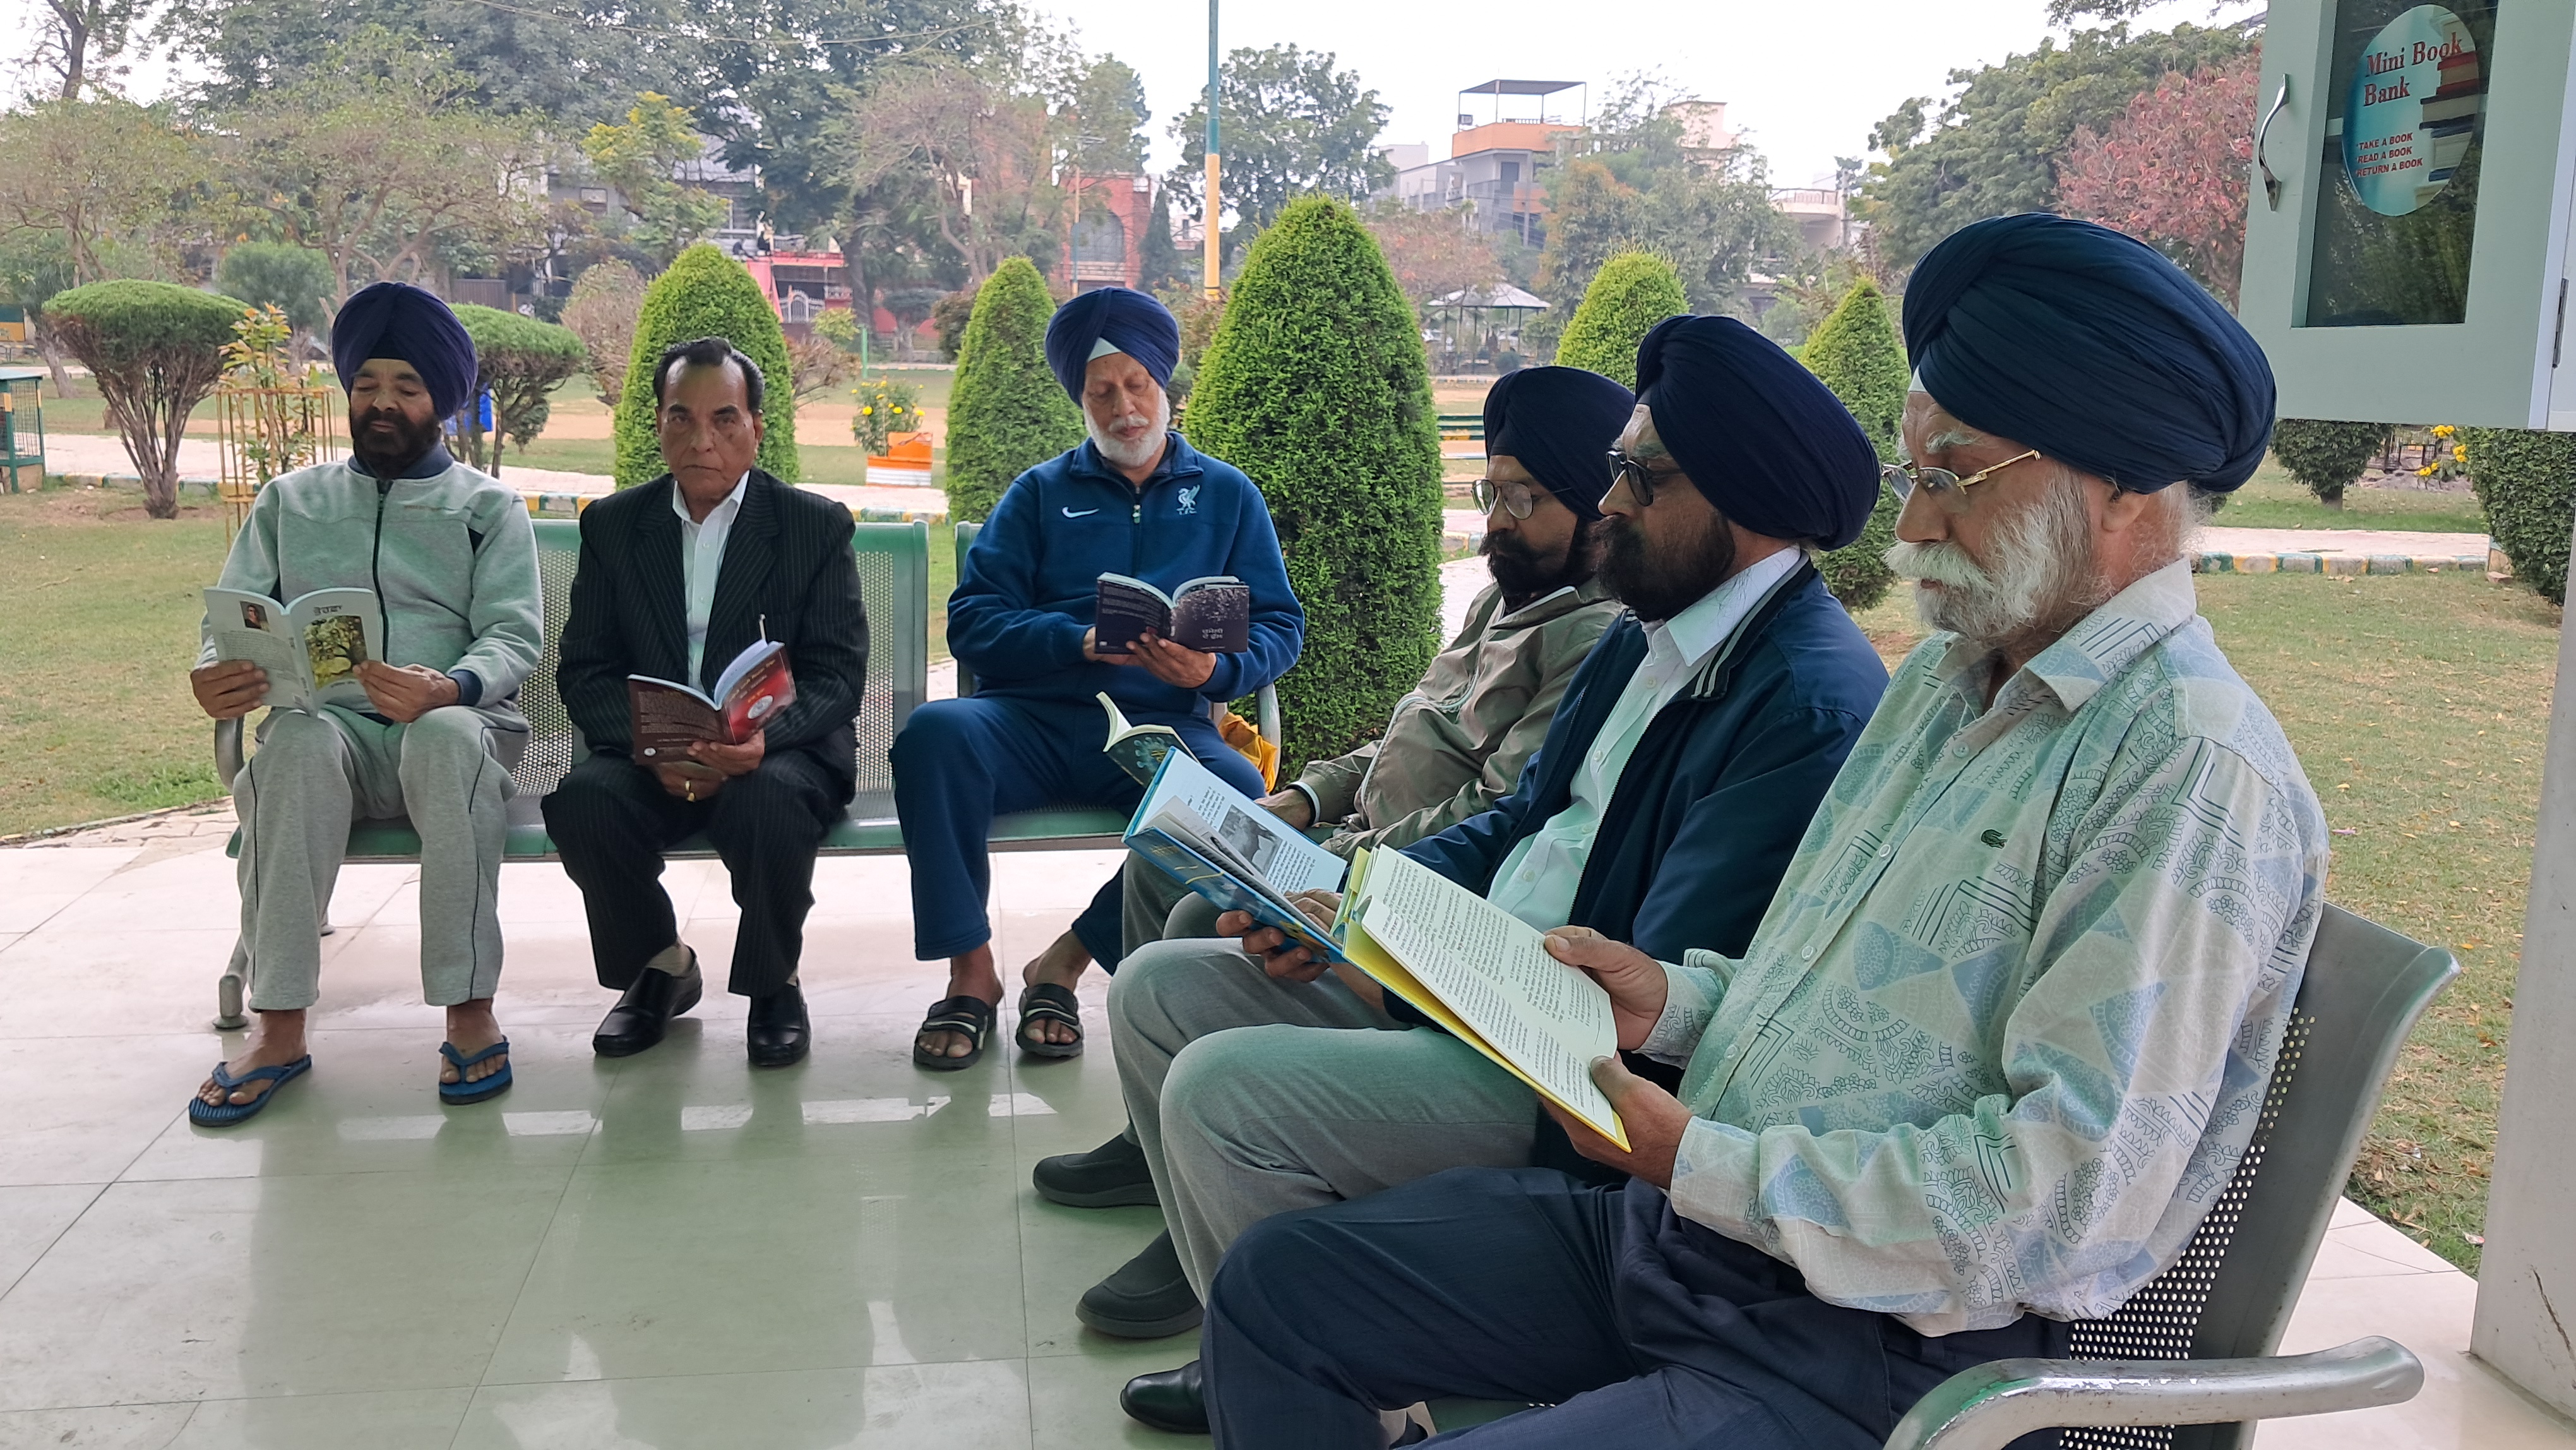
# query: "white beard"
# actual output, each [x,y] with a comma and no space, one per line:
[2044,576]
[1148,443]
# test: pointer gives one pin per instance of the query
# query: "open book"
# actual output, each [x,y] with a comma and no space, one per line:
[1138,749]
[1212,615]
[665,717]
[1223,845]
[1485,975]
[306,647]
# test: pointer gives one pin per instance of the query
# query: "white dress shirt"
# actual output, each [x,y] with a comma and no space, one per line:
[702,548]
[1538,880]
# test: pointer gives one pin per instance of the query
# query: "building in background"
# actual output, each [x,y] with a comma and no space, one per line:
[1105,247]
[1494,164]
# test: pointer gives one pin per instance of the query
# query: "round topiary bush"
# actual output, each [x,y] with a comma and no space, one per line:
[706,294]
[155,350]
[1857,353]
[2326,456]
[1630,294]
[519,361]
[2527,483]
[1316,385]
[1006,412]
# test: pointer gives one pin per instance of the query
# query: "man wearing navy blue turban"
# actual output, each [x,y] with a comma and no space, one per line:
[2038,948]
[1134,500]
[419,717]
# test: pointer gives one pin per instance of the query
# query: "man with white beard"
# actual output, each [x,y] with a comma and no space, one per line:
[1133,499]
[2004,1032]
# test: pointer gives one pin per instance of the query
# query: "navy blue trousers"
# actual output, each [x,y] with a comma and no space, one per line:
[1639,1328]
[959,763]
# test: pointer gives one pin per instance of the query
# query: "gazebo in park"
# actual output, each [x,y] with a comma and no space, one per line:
[1480,327]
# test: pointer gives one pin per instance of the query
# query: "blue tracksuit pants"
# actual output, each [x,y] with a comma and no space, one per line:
[959,763]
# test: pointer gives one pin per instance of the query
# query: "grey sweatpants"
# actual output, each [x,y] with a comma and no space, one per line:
[311,777]
[1252,1096]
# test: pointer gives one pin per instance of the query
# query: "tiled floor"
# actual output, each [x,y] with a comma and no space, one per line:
[667,1251]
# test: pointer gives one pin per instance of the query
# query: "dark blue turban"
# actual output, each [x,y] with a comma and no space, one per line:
[1129,321]
[1560,423]
[2092,348]
[1760,437]
[398,320]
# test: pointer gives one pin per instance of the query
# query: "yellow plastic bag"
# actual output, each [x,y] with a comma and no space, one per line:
[1247,741]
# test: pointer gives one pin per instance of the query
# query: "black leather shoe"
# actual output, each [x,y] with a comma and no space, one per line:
[1149,1297]
[1108,1176]
[779,1034]
[1174,1401]
[641,1015]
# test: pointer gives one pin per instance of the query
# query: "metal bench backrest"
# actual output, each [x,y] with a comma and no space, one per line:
[894,580]
[2230,1294]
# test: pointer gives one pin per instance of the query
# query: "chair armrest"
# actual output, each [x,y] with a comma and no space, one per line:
[1990,1406]
[228,750]
[1267,706]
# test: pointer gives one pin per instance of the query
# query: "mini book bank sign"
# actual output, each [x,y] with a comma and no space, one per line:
[2412,110]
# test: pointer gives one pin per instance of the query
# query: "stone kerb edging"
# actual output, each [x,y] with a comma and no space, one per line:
[2213,561]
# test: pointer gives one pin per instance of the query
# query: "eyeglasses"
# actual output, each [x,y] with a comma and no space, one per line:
[1516,498]
[1640,479]
[1946,488]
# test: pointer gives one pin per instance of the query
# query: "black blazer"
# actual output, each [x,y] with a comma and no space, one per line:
[788,558]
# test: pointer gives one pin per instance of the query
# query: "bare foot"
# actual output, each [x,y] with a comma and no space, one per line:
[277,1040]
[1062,965]
[970,975]
[471,1028]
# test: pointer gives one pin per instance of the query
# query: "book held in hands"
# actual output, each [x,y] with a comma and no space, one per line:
[1138,749]
[666,717]
[1232,850]
[1212,615]
[306,647]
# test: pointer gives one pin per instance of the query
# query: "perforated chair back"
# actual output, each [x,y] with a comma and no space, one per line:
[553,745]
[2230,1294]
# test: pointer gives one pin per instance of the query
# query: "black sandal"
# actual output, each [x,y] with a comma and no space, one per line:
[968,1017]
[1047,1002]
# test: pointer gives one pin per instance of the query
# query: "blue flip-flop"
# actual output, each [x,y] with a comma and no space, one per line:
[210,1115]
[460,1092]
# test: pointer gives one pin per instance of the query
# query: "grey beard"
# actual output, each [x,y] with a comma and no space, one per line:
[2043,578]
[1147,444]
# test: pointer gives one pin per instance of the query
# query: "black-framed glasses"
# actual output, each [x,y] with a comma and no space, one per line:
[1631,470]
[1516,498]
[1946,488]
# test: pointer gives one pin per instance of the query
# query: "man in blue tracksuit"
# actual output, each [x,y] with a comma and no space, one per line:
[1135,500]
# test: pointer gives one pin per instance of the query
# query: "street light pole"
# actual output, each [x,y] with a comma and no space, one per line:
[1214,205]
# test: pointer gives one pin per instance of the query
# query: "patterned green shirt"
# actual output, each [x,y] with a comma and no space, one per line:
[2005,1030]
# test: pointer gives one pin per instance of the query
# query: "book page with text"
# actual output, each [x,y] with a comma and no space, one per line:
[1287,862]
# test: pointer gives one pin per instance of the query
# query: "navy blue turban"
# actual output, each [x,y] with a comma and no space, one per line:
[398,320]
[1760,437]
[1126,321]
[2092,348]
[1560,423]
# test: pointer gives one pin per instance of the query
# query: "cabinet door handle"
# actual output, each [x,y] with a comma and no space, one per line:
[2271,183]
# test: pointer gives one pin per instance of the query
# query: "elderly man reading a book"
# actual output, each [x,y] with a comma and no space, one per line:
[1132,505]
[386,608]
[1671,789]
[2003,1035]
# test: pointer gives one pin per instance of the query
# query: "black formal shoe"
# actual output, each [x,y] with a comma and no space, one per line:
[1174,1401]
[779,1034]
[1149,1297]
[1109,1176]
[641,1015]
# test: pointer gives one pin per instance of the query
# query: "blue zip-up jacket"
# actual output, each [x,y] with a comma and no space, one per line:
[1026,590]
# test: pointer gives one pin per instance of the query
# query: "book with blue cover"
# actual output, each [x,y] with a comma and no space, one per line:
[1229,848]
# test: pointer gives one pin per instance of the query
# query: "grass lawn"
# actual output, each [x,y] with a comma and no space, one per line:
[2274,500]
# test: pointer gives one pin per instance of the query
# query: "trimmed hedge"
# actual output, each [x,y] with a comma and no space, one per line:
[1630,294]
[706,294]
[155,350]
[2527,483]
[2326,456]
[1316,385]
[519,361]
[1857,353]
[1006,412]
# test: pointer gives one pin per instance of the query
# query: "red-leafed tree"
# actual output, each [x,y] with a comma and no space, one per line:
[2172,171]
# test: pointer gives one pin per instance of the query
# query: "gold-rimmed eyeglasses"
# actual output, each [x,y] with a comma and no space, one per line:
[1946,488]
[1516,498]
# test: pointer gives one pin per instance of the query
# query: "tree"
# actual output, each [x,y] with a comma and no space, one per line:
[1316,385]
[82,40]
[1159,264]
[34,265]
[1291,124]
[102,175]
[1109,108]
[601,312]
[155,350]
[979,147]
[2173,169]
[294,280]
[1006,412]
[638,156]
[1857,353]
[1993,149]
[2327,457]
[1628,296]
[706,294]
[1433,253]
[520,362]
[1628,183]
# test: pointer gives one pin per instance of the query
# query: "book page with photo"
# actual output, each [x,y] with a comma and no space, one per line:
[305,647]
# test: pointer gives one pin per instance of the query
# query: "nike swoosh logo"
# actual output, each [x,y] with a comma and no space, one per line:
[1086,513]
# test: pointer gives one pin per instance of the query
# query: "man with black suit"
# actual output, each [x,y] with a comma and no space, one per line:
[676,579]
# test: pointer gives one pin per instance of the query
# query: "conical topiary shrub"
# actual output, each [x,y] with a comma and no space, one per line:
[706,294]
[1006,412]
[1858,355]
[1630,294]
[1316,385]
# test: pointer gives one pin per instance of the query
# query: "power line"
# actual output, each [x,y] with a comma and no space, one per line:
[657,33]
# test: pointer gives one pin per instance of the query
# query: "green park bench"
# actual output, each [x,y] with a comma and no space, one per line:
[1468,426]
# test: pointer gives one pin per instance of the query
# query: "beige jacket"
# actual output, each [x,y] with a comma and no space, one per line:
[1457,743]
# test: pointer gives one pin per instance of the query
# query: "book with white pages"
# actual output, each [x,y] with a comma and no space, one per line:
[1484,975]
[1232,850]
